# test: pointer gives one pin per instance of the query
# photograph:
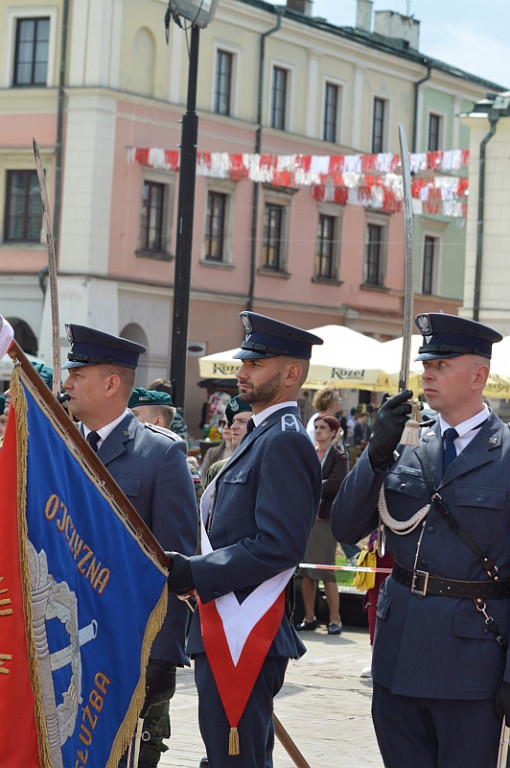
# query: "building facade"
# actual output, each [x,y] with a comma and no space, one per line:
[297,207]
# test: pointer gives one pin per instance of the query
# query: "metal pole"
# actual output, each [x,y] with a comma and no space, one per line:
[493,118]
[183,252]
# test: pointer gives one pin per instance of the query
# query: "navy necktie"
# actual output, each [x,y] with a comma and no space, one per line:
[250,426]
[92,439]
[449,449]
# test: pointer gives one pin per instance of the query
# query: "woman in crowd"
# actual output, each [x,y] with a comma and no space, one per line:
[322,544]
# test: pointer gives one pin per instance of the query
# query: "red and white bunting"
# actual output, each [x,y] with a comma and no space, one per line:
[369,180]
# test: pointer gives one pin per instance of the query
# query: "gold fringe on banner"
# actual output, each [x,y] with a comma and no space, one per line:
[233,741]
[128,727]
[156,618]
[19,404]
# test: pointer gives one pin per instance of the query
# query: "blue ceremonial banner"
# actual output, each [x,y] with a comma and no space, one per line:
[97,593]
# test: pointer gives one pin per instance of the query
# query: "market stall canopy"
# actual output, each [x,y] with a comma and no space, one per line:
[347,359]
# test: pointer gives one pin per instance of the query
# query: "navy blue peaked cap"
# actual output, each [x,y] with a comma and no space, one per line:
[265,337]
[92,347]
[447,336]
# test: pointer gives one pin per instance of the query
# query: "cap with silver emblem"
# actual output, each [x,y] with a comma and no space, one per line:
[92,347]
[446,336]
[265,337]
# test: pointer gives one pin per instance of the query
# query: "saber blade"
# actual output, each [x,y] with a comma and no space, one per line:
[409,258]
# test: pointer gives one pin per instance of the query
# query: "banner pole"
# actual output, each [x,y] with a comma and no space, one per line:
[94,463]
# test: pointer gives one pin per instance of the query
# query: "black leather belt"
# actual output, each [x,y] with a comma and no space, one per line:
[423,583]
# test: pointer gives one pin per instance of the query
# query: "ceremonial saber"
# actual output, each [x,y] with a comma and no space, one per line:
[133,754]
[503,746]
[52,270]
[357,568]
[410,435]
[408,256]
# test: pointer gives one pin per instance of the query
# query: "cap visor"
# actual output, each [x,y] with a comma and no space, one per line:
[249,354]
[438,355]
[74,364]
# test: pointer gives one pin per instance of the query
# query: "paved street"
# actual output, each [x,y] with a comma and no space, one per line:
[324,705]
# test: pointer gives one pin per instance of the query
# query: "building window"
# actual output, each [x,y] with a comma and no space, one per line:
[215,226]
[223,83]
[151,232]
[434,138]
[378,126]
[374,256]
[325,247]
[279,98]
[430,258]
[23,207]
[329,129]
[272,246]
[31,51]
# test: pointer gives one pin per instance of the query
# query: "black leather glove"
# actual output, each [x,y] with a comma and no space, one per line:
[502,703]
[159,683]
[388,425]
[180,578]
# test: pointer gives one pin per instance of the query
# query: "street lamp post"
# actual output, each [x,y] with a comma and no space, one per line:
[199,13]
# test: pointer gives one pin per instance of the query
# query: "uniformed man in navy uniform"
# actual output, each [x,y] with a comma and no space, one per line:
[265,502]
[151,470]
[440,675]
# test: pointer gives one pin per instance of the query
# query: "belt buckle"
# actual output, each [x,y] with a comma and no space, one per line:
[415,588]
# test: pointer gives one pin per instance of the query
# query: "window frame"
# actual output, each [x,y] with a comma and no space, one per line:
[213,194]
[439,133]
[279,108]
[282,198]
[334,245]
[382,225]
[378,140]
[32,61]
[228,189]
[167,182]
[430,274]
[221,52]
[12,15]
[331,135]
[30,176]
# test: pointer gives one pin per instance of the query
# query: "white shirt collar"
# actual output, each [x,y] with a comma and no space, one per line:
[105,431]
[258,418]
[466,426]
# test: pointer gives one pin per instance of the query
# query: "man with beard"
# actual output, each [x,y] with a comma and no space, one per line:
[256,529]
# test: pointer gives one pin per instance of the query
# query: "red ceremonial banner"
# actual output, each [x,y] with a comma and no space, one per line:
[18,733]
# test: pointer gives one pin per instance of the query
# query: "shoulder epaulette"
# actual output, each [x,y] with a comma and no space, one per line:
[163,431]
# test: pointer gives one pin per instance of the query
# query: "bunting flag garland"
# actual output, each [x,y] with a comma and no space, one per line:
[82,599]
[369,180]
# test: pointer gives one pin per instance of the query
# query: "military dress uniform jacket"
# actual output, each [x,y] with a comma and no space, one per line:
[433,646]
[266,501]
[151,470]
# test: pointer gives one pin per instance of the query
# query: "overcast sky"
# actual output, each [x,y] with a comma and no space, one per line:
[470,34]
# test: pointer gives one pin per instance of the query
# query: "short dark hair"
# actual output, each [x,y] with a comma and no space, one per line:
[161,385]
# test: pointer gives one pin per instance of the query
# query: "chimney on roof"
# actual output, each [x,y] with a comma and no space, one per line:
[393,24]
[300,6]
[364,15]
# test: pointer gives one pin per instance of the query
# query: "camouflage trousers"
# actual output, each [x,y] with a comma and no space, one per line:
[156,727]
